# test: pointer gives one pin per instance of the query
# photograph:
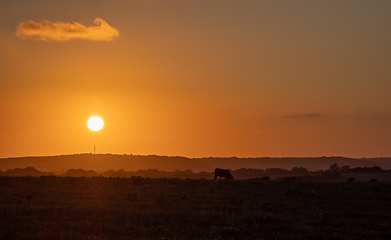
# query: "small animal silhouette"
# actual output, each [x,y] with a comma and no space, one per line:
[350,180]
[267,178]
[223,173]
[373,180]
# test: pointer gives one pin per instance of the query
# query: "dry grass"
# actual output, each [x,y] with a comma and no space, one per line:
[137,208]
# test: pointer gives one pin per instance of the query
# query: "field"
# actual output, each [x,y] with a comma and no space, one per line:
[145,208]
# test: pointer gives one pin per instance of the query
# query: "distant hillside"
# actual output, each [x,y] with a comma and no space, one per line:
[105,162]
[28,171]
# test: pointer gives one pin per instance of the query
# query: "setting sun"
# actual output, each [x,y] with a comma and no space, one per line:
[270,79]
[95,123]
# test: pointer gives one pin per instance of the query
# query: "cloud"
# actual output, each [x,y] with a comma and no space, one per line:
[300,116]
[59,31]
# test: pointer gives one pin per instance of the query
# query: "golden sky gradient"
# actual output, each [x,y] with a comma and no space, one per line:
[196,78]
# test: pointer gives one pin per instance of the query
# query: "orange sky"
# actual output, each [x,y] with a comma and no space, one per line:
[196,78]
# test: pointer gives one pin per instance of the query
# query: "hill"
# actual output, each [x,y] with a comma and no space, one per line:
[105,162]
[28,171]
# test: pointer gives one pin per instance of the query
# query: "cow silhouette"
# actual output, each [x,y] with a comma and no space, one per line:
[267,178]
[350,180]
[223,173]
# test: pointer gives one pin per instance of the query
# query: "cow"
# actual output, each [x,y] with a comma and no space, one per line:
[350,180]
[267,178]
[373,180]
[223,173]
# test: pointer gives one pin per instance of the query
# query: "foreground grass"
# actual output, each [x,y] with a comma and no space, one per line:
[136,208]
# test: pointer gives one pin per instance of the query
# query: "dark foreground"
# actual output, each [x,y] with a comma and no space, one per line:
[135,208]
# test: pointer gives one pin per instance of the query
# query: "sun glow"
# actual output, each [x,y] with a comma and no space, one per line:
[95,123]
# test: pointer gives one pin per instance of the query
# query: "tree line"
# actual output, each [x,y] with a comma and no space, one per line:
[334,171]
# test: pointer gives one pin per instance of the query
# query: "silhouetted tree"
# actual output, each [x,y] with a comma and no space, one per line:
[299,171]
[376,169]
[334,168]
[333,172]
[276,171]
[345,168]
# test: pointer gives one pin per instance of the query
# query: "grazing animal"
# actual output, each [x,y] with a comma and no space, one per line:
[350,180]
[286,179]
[267,178]
[373,180]
[223,173]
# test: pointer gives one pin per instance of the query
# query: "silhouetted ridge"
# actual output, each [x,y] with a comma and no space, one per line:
[28,171]
[105,162]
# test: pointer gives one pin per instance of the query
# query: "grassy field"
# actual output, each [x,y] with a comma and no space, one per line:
[138,208]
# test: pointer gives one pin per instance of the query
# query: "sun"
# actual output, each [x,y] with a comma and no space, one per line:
[95,123]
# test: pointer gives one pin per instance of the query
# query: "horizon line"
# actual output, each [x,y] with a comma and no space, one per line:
[171,156]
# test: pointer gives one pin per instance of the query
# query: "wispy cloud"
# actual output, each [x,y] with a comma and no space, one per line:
[59,31]
[301,116]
